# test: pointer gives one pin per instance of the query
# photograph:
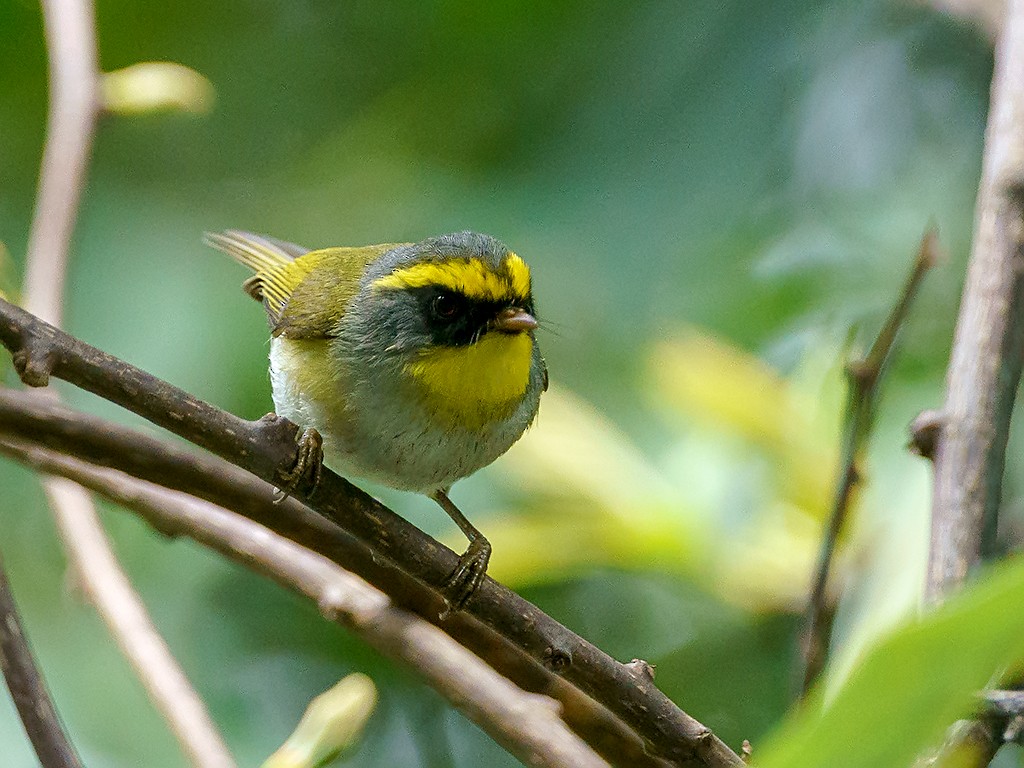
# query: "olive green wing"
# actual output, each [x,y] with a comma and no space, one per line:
[305,293]
[328,283]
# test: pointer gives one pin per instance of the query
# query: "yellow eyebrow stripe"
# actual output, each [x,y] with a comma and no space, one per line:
[471,277]
[520,274]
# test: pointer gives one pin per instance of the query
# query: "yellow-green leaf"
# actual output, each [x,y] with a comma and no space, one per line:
[156,86]
[912,685]
[331,723]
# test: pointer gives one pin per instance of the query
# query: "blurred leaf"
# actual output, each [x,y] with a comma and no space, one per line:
[331,723]
[913,685]
[595,499]
[794,421]
[156,86]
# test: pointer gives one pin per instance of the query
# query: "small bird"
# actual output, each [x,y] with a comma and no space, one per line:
[408,364]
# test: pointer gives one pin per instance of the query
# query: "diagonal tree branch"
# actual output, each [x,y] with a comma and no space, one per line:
[39,421]
[28,691]
[267,448]
[527,724]
[863,379]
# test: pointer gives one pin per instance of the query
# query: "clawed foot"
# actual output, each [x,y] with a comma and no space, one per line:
[309,460]
[468,575]
[472,566]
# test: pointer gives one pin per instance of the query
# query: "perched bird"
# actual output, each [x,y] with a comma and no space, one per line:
[411,364]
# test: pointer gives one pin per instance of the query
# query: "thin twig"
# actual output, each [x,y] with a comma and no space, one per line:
[267,448]
[528,725]
[107,587]
[73,107]
[863,377]
[31,699]
[74,104]
[985,364]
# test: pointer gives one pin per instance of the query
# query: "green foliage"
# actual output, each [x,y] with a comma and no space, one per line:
[910,688]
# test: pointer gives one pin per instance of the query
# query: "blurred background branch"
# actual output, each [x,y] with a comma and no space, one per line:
[983,376]
[74,107]
[863,377]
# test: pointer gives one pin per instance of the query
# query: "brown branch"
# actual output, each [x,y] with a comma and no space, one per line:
[267,448]
[31,699]
[528,725]
[37,420]
[863,377]
[985,364]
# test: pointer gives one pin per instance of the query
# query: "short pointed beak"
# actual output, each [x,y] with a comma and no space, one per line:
[514,320]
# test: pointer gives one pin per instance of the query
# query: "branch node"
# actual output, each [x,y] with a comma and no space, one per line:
[331,603]
[747,751]
[861,372]
[1014,730]
[34,363]
[642,669]
[275,427]
[1013,191]
[925,430]
[557,659]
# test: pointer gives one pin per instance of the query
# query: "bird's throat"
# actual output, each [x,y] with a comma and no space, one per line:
[471,386]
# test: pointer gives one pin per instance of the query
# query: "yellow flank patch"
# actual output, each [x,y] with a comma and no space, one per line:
[308,367]
[471,277]
[475,384]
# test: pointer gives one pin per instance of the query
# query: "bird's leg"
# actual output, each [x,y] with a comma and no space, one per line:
[309,460]
[472,566]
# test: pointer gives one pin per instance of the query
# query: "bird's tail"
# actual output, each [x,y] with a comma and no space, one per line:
[267,257]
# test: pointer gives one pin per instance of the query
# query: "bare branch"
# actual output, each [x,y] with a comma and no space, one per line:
[528,725]
[28,692]
[982,380]
[74,79]
[985,365]
[266,446]
[863,377]
[74,105]
[109,590]
[34,419]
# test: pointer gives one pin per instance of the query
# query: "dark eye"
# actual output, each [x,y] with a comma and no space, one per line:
[444,306]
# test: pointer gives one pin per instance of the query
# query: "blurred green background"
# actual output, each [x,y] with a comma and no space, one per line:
[719,200]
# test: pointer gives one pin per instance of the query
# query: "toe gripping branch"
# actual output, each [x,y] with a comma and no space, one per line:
[471,569]
[304,473]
